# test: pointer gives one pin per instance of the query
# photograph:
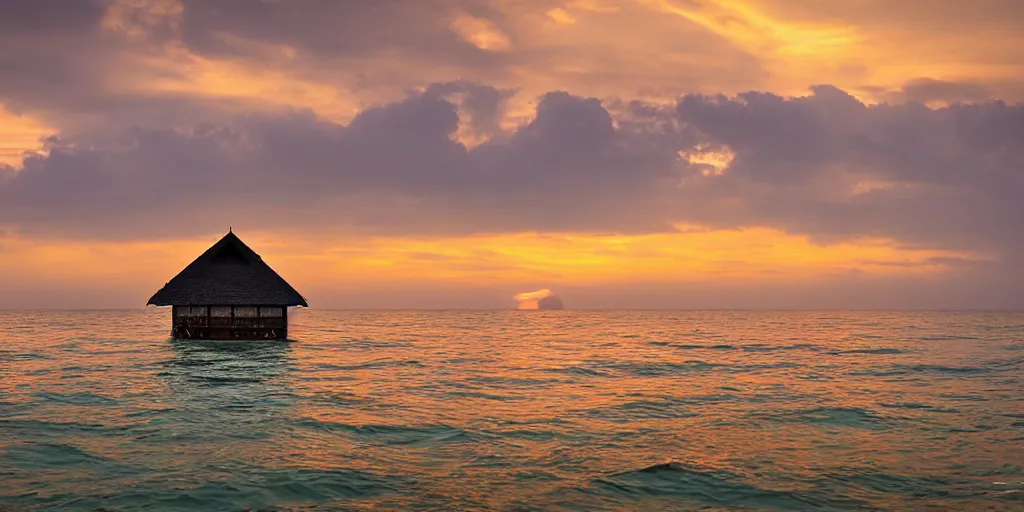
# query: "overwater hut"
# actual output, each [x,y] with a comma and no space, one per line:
[228,293]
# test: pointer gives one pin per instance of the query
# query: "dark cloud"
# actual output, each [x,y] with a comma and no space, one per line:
[61,65]
[329,28]
[481,107]
[49,17]
[101,65]
[394,168]
[930,90]
[832,167]
[825,165]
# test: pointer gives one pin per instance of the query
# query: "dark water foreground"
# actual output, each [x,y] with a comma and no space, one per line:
[516,411]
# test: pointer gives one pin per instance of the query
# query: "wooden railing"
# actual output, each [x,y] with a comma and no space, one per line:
[227,322]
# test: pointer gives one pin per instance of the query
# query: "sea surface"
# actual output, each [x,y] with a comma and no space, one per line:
[511,410]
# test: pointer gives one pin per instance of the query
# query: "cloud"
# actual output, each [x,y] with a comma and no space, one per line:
[826,165]
[394,168]
[540,299]
[328,28]
[926,90]
[50,17]
[98,66]
[163,119]
[936,92]
[830,166]
[533,296]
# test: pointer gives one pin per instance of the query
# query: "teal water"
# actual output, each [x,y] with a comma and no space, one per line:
[485,410]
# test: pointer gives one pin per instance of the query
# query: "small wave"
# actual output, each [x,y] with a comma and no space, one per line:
[948,338]
[764,347]
[897,370]
[467,360]
[744,368]
[578,370]
[968,398]
[296,489]
[834,416]
[699,487]
[347,399]
[305,485]
[965,429]
[30,357]
[869,481]
[643,410]
[506,382]
[370,365]
[881,350]
[484,396]
[935,368]
[665,368]
[926,407]
[427,435]
[146,413]
[82,398]
[690,346]
[532,434]
[49,455]
[52,428]
[220,380]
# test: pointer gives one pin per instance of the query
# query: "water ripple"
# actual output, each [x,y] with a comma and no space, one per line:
[543,411]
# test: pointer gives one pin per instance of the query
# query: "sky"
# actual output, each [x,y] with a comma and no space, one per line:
[454,153]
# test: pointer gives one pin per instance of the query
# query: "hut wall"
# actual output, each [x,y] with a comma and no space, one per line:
[246,311]
[229,322]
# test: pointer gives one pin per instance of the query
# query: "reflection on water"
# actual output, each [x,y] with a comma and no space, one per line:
[240,385]
[200,365]
[512,411]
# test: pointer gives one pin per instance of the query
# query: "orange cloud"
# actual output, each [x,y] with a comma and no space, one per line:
[481,33]
[763,34]
[18,135]
[531,300]
[589,47]
[561,16]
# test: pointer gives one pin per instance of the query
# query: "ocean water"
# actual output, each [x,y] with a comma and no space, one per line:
[507,410]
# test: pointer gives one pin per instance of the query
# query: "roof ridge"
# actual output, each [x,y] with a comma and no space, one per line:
[207,280]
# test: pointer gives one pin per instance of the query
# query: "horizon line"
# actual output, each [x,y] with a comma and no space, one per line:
[723,309]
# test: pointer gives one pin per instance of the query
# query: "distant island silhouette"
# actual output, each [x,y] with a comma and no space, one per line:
[550,302]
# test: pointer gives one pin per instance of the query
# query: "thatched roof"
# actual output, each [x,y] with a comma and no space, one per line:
[229,273]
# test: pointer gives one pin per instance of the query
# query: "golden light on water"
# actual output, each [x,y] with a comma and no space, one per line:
[499,410]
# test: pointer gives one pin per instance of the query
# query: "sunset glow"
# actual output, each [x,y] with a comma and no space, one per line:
[768,256]
[599,255]
[632,148]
